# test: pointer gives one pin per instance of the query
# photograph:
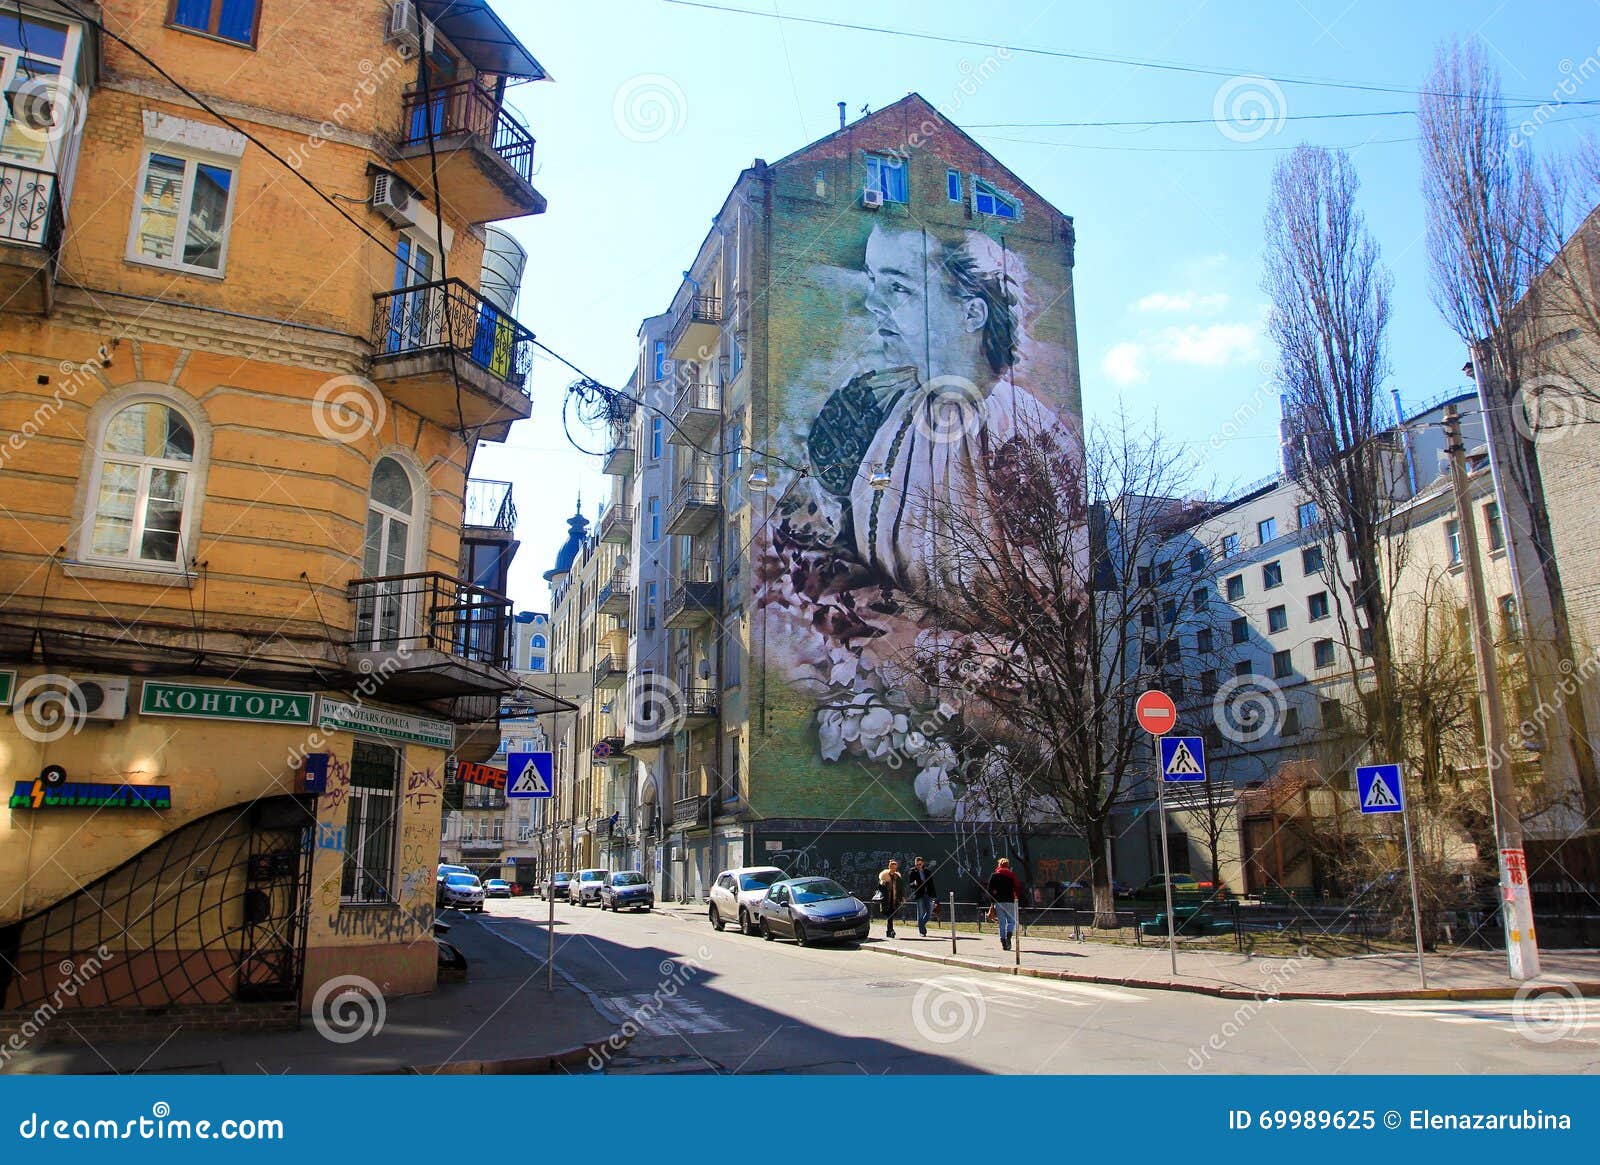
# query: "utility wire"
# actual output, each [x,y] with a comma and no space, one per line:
[1065,54]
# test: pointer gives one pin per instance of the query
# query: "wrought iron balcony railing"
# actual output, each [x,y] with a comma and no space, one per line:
[449,316]
[489,504]
[30,207]
[431,611]
[688,812]
[466,107]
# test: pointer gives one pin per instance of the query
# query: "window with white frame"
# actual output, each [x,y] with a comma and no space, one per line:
[374,804]
[952,185]
[181,217]
[887,175]
[987,200]
[142,487]
[663,366]
[653,516]
[655,438]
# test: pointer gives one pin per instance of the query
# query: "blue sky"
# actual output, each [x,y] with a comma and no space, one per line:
[655,107]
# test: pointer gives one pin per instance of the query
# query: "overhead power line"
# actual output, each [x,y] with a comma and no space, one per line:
[1073,55]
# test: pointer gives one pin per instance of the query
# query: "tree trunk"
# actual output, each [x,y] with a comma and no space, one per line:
[1105,899]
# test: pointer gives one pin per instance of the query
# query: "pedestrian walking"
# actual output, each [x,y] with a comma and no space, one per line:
[920,884]
[891,885]
[1005,891]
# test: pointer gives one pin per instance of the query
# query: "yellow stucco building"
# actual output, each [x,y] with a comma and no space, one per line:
[246,362]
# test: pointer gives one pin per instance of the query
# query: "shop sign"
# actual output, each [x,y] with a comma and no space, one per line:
[213,702]
[342,716]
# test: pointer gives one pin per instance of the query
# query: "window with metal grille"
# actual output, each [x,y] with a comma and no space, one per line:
[370,825]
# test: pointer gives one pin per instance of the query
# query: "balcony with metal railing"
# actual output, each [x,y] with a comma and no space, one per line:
[701,705]
[30,238]
[616,525]
[482,153]
[694,508]
[696,413]
[619,459]
[616,597]
[489,506]
[696,328]
[611,671]
[431,636]
[430,338]
[691,812]
[695,598]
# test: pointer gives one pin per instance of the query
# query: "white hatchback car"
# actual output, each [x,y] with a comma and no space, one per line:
[585,887]
[735,893]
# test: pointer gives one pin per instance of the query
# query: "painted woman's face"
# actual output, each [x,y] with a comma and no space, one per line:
[921,319]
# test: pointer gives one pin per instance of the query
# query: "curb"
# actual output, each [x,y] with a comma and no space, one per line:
[1589,990]
[556,1063]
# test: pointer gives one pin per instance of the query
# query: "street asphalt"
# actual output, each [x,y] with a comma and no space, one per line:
[694,1000]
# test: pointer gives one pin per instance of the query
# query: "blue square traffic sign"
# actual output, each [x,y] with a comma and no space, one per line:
[1379,789]
[530,774]
[1183,758]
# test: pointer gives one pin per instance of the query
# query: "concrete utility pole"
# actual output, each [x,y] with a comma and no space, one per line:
[1516,903]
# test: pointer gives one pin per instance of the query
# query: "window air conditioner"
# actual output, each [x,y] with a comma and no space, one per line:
[872,199]
[405,29]
[104,697]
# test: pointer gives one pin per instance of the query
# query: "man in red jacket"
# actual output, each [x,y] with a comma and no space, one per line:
[1005,889]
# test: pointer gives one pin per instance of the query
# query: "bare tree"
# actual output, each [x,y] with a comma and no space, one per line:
[1330,313]
[1491,232]
[1055,613]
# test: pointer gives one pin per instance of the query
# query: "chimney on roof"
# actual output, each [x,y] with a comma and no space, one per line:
[841,115]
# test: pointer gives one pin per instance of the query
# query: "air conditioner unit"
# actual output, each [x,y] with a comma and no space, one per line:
[104,697]
[405,29]
[392,197]
[872,199]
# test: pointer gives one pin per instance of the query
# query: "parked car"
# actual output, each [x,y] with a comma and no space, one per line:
[463,891]
[628,888]
[1082,887]
[1155,890]
[555,887]
[585,888]
[497,888]
[811,910]
[736,893]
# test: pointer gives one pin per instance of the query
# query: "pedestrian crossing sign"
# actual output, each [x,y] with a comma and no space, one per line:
[530,774]
[1183,758]
[1379,789]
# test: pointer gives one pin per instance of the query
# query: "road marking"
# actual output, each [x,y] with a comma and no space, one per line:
[667,1015]
[1048,991]
[1503,1014]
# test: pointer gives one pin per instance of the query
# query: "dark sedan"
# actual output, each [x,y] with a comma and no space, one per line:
[627,889]
[812,910]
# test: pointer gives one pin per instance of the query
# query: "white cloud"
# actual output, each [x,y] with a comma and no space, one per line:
[1210,345]
[1183,302]
[1124,363]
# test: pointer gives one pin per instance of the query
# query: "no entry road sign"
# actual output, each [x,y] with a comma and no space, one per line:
[1156,712]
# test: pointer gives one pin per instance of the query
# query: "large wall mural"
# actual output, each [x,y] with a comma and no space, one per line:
[906,359]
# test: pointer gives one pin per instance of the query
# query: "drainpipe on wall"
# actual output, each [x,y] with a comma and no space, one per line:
[1405,440]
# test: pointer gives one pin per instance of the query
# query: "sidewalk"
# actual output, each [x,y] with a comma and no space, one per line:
[501,1020]
[1470,975]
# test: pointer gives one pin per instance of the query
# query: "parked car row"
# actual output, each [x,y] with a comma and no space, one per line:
[765,900]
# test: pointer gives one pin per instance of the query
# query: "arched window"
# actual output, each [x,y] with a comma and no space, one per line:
[143,486]
[538,641]
[383,611]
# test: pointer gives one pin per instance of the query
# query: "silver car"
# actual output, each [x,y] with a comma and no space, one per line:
[736,893]
[463,891]
[812,910]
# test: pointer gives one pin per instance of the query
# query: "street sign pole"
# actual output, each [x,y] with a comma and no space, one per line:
[1416,897]
[1166,859]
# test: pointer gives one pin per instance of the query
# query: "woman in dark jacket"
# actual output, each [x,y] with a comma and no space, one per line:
[890,886]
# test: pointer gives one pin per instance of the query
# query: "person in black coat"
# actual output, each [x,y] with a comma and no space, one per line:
[919,883]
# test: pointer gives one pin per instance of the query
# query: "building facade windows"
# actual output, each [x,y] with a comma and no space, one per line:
[952,185]
[1491,520]
[1317,606]
[1282,664]
[887,175]
[1234,587]
[233,20]
[655,438]
[1277,619]
[142,486]
[370,824]
[1266,530]
[1230,545]
[653,520]
[1241,630]
[1272,575]
[1311,560]
[987,200]
[1322,653]
[1203,640]
[1244,668]
[181,218]
[660,366]
[1306,514]
[1452,541]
